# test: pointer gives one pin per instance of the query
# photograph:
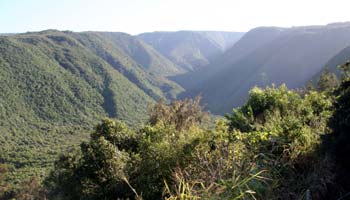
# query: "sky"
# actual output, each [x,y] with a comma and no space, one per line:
[137,16]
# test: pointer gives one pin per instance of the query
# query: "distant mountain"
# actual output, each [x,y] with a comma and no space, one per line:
[7,34]
[142,53]
[191,50]
[246,45]
[292,56]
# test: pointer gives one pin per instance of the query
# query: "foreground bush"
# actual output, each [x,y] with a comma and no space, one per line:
[267,149]
[283,130]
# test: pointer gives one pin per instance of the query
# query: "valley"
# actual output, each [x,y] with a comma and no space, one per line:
[57,85]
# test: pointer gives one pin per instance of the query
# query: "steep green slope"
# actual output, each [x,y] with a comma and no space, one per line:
[138,62]
[293,57]
[191,49]
[139,51]
[55,81]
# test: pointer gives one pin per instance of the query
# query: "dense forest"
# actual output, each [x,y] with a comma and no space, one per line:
[281,144]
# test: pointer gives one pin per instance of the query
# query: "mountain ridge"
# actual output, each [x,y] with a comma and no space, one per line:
[292,57]
[191,49]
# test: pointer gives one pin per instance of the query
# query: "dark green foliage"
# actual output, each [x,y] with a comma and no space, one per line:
[27,190]
[283,130]
[328,81]
[183,114]
[220,168]
[118,134]
[116,160]
[99,170]
[102,169]
[163,149]
[257,153]
[32,154]
[340,139]
[3,185]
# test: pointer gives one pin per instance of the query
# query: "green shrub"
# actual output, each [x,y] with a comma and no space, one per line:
[267,149]
[283,130]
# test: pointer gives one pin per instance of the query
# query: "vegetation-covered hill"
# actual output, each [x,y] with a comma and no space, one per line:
[292,56]
[124,46]
[53,81]
[56,76]
[191,50]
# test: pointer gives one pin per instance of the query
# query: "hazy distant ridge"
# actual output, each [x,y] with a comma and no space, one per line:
[191,50]
[265,56]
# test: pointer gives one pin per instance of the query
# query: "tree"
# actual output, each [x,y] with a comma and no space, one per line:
[328,81]
[182,114]
[345,69]
[99,171]
[116,159]
[102,170]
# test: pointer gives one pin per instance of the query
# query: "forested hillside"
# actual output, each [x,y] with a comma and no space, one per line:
[53,82]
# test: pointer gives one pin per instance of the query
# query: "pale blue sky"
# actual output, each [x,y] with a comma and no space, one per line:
[136,16]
